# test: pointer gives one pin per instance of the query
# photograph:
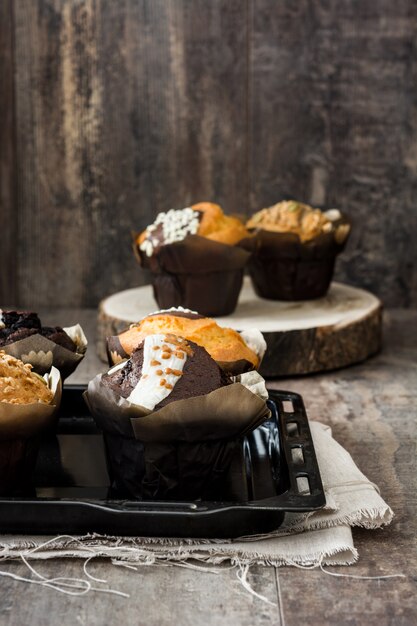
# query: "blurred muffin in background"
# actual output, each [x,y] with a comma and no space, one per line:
[294,249]
[194,258]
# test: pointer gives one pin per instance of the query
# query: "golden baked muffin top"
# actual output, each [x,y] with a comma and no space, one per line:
[19,385]
[223,344]
[205,219]
[290,216]
[217,226]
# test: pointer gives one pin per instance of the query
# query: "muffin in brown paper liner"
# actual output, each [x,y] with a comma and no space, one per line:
[21,428]
[42,353]
[234,352]
[283,267]
[180,450]
[196,273]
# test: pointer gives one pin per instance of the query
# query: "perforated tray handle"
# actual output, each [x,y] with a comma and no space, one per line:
[306,489]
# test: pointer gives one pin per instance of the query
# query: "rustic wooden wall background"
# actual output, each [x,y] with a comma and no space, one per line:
[113,110]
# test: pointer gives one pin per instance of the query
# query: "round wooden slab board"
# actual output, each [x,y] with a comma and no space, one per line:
[342,328]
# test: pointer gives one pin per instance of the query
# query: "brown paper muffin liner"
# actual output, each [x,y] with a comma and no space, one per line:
[196,273]
[179,451]
[42,353]
[21,426]
[282,267]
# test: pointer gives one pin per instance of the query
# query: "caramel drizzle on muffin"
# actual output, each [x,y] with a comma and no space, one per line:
[19,385]
[294,217]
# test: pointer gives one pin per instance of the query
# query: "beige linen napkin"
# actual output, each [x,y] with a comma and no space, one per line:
[304,539]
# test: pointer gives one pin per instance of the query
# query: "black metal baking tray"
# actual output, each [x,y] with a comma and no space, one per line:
[273,471]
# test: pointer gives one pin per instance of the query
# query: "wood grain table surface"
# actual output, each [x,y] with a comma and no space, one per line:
[372,408]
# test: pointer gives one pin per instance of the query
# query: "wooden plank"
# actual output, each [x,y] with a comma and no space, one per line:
[333,122]
[8,256]
[171,130]
[123,109]
[126,108]
[159,596]
[57,113]
[371,409]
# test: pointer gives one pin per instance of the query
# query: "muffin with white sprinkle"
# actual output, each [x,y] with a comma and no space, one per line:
[194,258]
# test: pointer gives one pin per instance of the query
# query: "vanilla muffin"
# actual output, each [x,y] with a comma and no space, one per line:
[19,385]
[294,250]
[28,404]
[215,225]
[290,216]
[234,352]
[194,258]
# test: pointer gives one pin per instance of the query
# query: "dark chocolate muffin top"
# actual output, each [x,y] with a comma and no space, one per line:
[165,368]
[16,325]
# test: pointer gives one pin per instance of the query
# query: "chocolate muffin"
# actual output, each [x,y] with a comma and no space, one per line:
[194,259]
[294,249]
[171,419]
[17,325]
[23,336]
[166,368]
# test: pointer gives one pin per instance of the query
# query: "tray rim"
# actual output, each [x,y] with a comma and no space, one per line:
[288,501]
